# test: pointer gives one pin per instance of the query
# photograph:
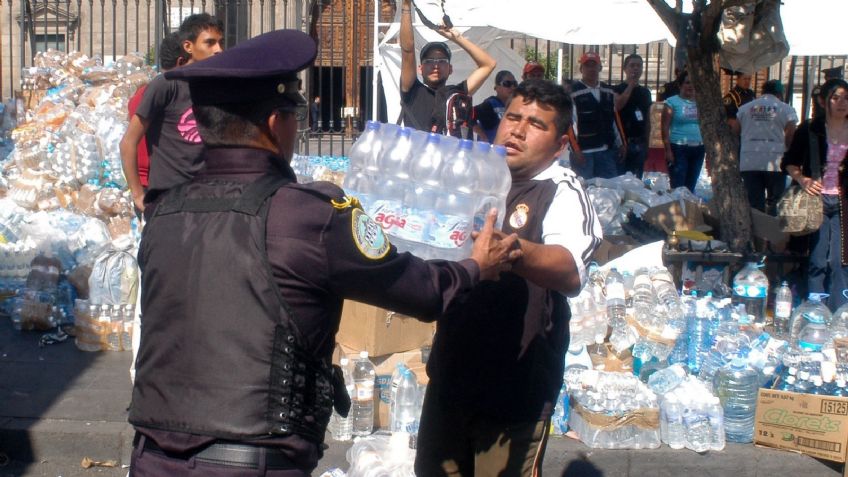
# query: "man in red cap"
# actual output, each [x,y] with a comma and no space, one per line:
[533,70]
[426,105]
[596,123]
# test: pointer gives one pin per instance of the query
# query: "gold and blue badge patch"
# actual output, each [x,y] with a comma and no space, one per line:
[368,235]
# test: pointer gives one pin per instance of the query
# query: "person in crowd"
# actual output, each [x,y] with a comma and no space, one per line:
[596,123]
[496,362]
[234,372]
[828,263]
[315,114]
[171,55]
[433,105]
[533,70]
[741,93]
[672,88]
[681,134]
[634,106]
[490,112]
[164,118]
[765,127]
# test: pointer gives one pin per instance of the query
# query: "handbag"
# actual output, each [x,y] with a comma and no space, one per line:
[801,213]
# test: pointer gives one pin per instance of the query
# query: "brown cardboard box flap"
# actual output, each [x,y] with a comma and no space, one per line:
[380,331]
[675,215]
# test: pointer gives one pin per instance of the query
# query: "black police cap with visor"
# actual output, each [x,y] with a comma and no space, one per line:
[261,69]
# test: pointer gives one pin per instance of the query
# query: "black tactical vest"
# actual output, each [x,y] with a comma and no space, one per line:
[594,118]
[220,355]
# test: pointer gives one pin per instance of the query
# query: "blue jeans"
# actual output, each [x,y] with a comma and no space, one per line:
[686,168]
[597,164]
[826,273]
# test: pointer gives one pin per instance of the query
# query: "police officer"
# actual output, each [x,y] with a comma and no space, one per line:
[741,93]
[243,277]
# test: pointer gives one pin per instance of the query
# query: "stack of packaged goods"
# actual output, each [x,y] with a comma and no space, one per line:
[427,191]
[65,200]
[613,410]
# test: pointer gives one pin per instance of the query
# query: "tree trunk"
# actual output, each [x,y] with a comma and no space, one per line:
[721,145]
[722,156]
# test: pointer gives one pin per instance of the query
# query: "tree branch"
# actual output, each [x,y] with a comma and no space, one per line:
[667,14]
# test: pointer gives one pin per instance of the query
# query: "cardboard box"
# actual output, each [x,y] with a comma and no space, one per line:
[612,247]
[805,423]
[677,215]
[381,332]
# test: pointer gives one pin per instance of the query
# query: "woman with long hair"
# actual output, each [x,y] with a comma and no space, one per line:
[681,134]
[828,265]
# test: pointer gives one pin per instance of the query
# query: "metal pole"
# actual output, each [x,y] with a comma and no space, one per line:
[157,18]
[375,58]
[559,66]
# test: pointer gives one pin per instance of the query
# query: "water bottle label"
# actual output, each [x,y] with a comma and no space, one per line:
[807,346]
[750,291]
[615,290]
[782,309]
[365,391]
[451,231]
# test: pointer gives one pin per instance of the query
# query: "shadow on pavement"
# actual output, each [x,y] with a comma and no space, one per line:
[582,468]
[57,401]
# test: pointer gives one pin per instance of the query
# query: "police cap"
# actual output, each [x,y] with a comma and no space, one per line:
[261,68]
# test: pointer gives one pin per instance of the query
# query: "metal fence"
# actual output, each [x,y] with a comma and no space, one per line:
[343,74]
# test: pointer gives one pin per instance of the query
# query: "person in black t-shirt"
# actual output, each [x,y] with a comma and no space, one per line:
[425,102]
[633,105]
[165,119]
[489,113]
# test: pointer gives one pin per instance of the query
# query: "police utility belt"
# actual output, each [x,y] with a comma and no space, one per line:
[230,454]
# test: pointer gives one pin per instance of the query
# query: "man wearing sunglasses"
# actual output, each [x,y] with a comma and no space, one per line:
[490,112]
[244,273]
[425,103]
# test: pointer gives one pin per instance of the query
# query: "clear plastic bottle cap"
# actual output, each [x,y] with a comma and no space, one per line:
[363,354]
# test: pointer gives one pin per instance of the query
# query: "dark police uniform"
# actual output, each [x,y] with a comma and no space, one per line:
[737,97]
[243,278]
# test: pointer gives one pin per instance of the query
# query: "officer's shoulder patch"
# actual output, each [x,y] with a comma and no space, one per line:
[368,235]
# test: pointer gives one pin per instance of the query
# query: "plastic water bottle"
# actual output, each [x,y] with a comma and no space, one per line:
[697,427]
[715,415]
[667,294]
[782,309]
[362,402]
[578,356]
[395,158]
[814,334]
[667,379]
[812,310]
[459,171]
[365,151]
[736,387]
[750,288]
[614,286]
[644,301]
[342,429]
[700,329]
[426,165]
[406,410]
[676,432]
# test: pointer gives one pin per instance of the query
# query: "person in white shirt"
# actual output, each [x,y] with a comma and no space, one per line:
[765,127]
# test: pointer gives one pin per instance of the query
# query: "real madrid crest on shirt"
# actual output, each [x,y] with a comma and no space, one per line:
[368,235]
[518,218]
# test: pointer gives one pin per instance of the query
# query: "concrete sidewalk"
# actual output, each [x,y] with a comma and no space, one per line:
[59,404]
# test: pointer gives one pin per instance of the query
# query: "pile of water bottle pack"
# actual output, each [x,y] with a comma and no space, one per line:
[427,191]
[381,453]
[703,359]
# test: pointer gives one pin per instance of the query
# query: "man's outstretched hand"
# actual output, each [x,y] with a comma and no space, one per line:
[494,251]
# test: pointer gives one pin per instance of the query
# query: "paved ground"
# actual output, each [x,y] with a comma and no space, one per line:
[59,405]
